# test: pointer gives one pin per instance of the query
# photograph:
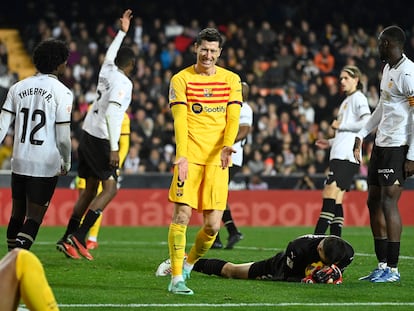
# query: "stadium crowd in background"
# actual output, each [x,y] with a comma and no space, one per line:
[290,63]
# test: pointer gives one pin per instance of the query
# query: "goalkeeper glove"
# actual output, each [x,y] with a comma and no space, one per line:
[328,275]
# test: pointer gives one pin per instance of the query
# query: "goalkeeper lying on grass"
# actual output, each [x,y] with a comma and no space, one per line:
[308,259]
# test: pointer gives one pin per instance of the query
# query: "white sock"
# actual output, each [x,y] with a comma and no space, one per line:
[187,266]
[177,278]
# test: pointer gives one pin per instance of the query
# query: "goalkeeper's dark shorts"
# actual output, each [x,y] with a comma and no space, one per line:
[269,269]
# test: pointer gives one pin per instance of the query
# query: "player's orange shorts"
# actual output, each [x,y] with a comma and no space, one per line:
[206,187]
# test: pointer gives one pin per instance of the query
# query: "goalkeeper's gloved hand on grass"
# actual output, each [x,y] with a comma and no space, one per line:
[327,274]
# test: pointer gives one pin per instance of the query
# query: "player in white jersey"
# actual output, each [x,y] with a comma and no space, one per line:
[98,148]
[392,158]
[353,113]
[40,107]
[245,123]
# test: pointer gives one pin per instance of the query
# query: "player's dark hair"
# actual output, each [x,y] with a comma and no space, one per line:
[334,249]
[124,57]
[210,35]
[354,72]
[49,54]
[396,34]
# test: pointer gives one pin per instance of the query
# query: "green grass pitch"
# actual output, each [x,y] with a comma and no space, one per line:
[122,275]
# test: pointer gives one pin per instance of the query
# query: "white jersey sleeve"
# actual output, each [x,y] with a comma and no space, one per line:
[246,118]
[114,47]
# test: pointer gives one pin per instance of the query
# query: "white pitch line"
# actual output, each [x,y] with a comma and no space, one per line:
[236,305]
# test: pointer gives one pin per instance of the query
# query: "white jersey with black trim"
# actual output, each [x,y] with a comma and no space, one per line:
[114,93]
[350,115]
[246,118]
[37,104]
[393,116]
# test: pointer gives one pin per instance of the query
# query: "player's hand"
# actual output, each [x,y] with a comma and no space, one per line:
[322,143]
[328,274]
[65,168]
[335,124]
[182,166]
[114,159]
[357,149]
[226,153]
[409,168]
[323,275]
[126,20]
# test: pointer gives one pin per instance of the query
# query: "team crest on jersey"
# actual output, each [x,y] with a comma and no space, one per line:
[390,84]
[208,92]
[197,108]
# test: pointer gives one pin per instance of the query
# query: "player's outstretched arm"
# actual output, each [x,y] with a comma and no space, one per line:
[125,21]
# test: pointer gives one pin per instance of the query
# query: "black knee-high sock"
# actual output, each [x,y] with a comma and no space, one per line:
[337,221]
[73,224]
[27,235]
[209,266]
[393,253]
[218,240]
[13,228]
[381,249]
[228,222]
[326,216]
[88,221]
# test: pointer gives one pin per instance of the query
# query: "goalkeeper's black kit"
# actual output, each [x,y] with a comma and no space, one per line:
[290,264]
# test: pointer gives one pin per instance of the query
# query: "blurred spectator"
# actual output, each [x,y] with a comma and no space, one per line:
[6,150]
[321,162]
[269,167]
[325,61]
[256,164]
[373,97]
[132,161]
[256,183]
[153,160]
[305,183]
[307,110]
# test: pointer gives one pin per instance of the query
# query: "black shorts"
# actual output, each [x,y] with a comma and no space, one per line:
[93,156]
[343,172]
[233,170]
[386,166]
[38,190]
[269,269]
